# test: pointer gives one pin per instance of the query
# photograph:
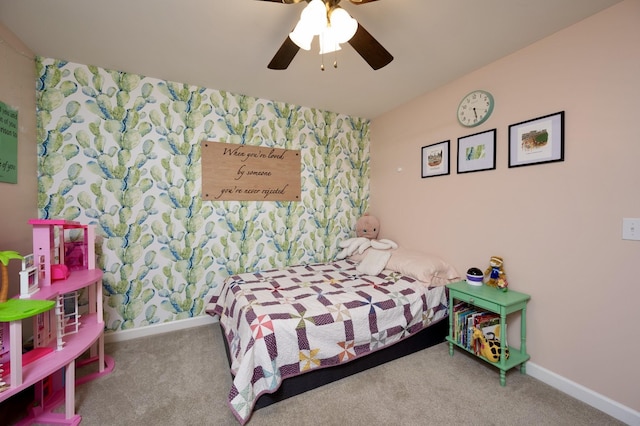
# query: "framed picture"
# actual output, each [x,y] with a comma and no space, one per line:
[477,152]
[435,159]
[537,141]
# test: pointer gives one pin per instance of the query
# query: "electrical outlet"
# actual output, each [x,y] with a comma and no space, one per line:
[631,229]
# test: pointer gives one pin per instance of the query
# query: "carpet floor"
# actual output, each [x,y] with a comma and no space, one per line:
[182,378]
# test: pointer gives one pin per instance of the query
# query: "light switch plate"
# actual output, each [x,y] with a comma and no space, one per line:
[631,229]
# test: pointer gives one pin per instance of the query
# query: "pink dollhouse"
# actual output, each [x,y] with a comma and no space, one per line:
[57,253]
[61,267]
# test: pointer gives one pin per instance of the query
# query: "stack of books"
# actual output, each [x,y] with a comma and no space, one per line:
[467,317]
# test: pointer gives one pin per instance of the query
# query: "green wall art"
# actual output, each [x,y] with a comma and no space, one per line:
[122,151]
[8,144]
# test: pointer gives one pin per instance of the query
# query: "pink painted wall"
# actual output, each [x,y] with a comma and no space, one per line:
[559,225]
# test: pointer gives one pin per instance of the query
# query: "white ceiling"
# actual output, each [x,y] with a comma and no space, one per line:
[227,44]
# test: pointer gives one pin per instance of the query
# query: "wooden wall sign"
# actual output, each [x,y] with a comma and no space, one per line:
[232,172]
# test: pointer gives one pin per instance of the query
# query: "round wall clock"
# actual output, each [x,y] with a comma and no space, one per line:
[475,108]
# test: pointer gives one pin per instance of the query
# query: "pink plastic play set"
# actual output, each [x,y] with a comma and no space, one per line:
[60,272]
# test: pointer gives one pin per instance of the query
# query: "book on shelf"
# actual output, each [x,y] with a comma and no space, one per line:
[457,310]
[467,317]
[459,321]
[487,322]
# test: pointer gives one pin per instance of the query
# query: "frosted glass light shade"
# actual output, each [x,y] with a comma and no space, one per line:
[301,36]
[314,17]
[328,41]
[342,25]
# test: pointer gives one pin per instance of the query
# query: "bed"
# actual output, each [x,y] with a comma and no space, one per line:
[290,330]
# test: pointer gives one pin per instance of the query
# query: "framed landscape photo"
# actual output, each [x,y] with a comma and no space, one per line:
[477,152]
[435,159]
[537,141]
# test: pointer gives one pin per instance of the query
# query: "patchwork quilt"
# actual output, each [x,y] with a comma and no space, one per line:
[282,323]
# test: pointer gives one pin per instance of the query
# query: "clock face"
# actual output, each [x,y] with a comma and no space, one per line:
[475,108]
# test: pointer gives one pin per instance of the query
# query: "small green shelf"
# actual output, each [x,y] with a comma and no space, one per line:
[492,300]
[18,309]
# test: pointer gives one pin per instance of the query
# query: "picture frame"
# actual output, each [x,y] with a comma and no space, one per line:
[435,159]
[537,141]
[477,152]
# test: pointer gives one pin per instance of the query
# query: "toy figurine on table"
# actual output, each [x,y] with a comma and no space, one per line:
[495,274]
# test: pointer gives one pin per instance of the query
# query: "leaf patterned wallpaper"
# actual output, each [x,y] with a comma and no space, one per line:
[123,151]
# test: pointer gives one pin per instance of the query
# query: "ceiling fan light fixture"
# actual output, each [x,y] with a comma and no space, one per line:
[328,41]
[301,36]
[314,17]
[320,16]
[342,25]
[313,20]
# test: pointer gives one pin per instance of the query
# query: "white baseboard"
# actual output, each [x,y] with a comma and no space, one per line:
[165,327]
[579,392]
[601,402]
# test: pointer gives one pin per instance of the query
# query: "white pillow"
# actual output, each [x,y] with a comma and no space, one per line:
[373,262]
[427,268]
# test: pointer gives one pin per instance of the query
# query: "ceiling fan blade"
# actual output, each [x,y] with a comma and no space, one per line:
[284,55]
[369,48]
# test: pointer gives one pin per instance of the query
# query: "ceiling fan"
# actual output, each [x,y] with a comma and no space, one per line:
[363,42]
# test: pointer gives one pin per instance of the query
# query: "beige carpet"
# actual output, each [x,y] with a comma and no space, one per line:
[182,378]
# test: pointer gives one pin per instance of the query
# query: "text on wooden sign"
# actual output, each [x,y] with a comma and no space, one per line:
[233,172]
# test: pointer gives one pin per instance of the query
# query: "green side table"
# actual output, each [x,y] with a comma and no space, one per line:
[491,299]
